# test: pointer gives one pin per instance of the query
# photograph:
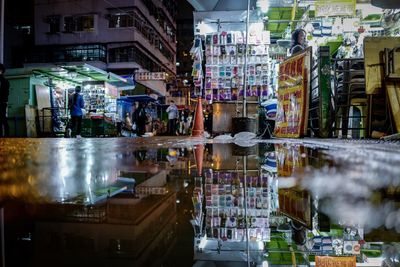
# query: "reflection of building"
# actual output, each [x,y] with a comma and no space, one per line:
[124,229]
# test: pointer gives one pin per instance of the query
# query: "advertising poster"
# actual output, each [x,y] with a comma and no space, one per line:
[290,159]
[293,96]
[326,261]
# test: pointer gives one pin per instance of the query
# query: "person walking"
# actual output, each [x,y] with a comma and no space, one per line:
[172,111]
[140,119]
[76,106]
[4,92]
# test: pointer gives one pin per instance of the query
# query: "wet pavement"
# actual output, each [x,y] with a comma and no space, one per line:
[191,202]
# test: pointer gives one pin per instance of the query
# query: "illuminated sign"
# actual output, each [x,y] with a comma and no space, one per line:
[325,8]
[144,76]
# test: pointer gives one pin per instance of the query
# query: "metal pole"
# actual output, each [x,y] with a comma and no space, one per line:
[3,250]
[245,62]
[2,31]
[245,209]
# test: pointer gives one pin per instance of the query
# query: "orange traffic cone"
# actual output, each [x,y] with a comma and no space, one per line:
[199,154]
[198,125]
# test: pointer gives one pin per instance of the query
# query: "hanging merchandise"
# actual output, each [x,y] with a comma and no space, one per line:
[226,206]
[225,57]
[197,71]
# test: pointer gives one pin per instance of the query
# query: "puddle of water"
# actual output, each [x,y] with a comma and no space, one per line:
[113,202]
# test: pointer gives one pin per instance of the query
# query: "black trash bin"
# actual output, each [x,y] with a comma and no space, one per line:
[244,124]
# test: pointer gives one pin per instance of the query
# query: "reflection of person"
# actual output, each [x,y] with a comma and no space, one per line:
[4,92]
[298,41]
[172,156]
[172,111]
[76,106]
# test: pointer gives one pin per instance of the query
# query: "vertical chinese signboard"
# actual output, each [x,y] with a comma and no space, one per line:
[293,96]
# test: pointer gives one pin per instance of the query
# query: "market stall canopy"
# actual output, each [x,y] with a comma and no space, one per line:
[81,73]
[233,5]
[282,17]
[139,98]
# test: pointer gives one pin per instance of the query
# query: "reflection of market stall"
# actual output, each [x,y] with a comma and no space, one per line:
[233,197]
[236,198]
[47,91]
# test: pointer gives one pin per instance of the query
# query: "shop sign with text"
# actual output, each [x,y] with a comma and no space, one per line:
[331,8]
[144,76]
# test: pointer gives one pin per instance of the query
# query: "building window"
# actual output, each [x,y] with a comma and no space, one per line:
[68,24]
[54,24]
[121,20]
[95,52]
[79,23]
[84,23]
[132,54]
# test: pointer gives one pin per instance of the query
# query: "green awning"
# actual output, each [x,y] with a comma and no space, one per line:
[82,73]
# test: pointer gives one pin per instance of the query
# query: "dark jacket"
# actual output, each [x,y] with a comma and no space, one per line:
[4,89]
[296,49]
[76,105]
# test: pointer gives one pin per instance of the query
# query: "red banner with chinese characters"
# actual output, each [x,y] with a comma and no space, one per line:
[293,94]
[326,261]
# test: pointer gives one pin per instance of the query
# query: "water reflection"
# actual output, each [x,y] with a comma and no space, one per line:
[115,202]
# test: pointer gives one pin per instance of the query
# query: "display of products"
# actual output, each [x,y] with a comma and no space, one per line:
[225,54]
[96,99]
[197,71]
[226,202]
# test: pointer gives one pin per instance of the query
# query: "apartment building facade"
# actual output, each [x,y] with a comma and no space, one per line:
[122,36]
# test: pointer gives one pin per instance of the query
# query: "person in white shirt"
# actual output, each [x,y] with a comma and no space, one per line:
[172,111]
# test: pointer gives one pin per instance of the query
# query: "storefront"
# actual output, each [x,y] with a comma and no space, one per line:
[238,66]
[39,96]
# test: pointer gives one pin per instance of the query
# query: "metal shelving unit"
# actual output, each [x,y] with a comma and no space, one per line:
[350,100]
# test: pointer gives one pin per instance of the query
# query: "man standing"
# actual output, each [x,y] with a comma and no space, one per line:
[4,92]
[76,108]
[172,116]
